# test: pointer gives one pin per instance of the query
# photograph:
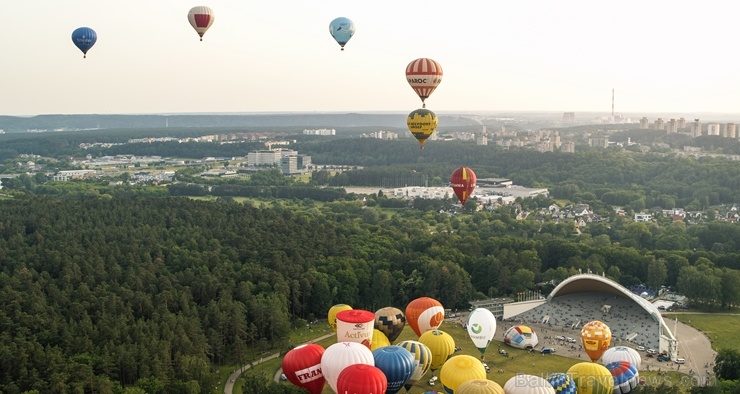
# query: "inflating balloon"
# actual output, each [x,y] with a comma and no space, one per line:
[458,370]
[421,123]
[481,328]
[592,378]
[441,344]
[625,376]
[528,384]
[397,364]
[331,317]
[596,337]
[355,325]
[390,321]
[379,340]
[621,353]
[521,337]
[84,38]
[342,29]
[422,360]
[341,355]
[562,383]
[479,386]
[424,75]
[201,18]
[361,379]
[463,182]
[302,367]
[424,314]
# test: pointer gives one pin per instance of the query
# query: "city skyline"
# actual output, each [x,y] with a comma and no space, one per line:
[661,58]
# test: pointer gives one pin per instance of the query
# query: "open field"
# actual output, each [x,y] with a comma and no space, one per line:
[720,328]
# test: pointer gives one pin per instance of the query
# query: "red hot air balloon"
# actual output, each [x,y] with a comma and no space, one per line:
[201,18]
[463,181]
[361,379]
[424,75]
[302,367]
[424,314]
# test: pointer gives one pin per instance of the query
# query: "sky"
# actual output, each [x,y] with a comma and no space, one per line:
[673,56]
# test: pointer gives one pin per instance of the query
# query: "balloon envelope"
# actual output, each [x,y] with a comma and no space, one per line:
[422,360]
[331,317]
[424,75]
[342,29]
[355,325]
[424,314]
[341,355]
[460,369]
[562,383]
[481,328]
[441,344]
[397,364]
[479,386]
[361,379]
[621,353]
[390,321]
[521,337]
[302,367]
[528,384]
[84,38]
[463,182]
[596,337]
[625,376]
[422,123]
[201,18]
[591,378]
[379,340]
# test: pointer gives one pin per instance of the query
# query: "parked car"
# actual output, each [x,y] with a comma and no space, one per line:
[571,340]
[283,377]
[652,351]
[640,348]
[680,361]
[503,352]
[547,350]
[664,357]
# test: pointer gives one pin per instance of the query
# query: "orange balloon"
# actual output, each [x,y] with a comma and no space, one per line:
[596,337]
[424,314]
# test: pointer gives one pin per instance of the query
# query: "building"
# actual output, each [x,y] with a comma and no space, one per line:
[320,132]
[643,217]
[672,126]
[659,124]
[289,165]
[65,176]
[495,305]
[482,139]
[644,123]
[713,129]
[681,123]
[569,118]
[268,157]
[696,128]
[729,130]
[599,142]
[568,147]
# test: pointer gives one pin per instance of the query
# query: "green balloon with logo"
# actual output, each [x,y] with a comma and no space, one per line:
[481,328]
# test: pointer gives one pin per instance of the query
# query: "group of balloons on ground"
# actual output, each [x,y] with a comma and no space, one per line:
[423,74]
[364,360]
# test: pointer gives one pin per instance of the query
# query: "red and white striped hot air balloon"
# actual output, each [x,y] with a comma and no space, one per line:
[424,75]
[201,18]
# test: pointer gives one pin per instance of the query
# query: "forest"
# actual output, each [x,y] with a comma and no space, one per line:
[103,292]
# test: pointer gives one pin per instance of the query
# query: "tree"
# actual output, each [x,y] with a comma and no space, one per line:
[656,273]
[727,364]
[523,279]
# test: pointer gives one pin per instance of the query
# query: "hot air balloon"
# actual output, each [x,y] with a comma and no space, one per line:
[621,353]
[479,386]
[441,344]
[397,364]
[341,355]
[422,360]
[355,325]
[390,321]
[302,367]
[342,29]
[361,379]
[332,315]
[528,384]
[201,18]
[422,123]
[460,369]
[424,75]
[596,337]
[463,181]
[625,376]
[424,314]
[481,328]
[84,38]
[379,340]
[591,378]
[521,337]
[562,383]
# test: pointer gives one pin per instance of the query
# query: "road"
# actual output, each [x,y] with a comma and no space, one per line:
[229,387]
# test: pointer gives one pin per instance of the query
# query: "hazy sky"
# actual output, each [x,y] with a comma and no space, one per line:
[277,55]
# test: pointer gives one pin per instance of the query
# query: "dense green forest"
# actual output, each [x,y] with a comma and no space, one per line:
[102,292]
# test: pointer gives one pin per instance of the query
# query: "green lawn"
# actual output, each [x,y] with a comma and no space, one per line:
[720,328]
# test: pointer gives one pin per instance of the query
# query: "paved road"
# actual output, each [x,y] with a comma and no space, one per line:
[229,387]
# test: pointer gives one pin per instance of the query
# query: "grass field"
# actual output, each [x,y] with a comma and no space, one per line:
[720,328]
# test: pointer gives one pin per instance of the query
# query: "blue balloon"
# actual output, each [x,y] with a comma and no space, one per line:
[396,363]
[84,38]
[562,383]
[342,29]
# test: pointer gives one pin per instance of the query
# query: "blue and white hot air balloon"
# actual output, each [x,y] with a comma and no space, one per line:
[562,383]
[397,364]
[625,376]
[342,29]
[84,38]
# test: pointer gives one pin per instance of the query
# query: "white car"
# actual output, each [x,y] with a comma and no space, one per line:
[652,351]
[640,348]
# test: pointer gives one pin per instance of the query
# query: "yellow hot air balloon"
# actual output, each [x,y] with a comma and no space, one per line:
[422,123]
[332,316]
[479,386]
[592,378]
[596,337]
[379,340]
[458,370]
[441,344]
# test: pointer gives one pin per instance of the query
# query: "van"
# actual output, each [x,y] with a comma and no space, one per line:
[547,350]
[680,361]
